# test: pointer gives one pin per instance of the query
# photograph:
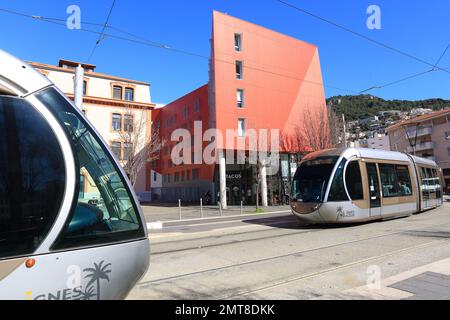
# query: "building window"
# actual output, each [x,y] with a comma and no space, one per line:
[238,42]
[182,175]
[177,177]
[117,92]
[117,122]
[185,112]
[241,127]
[116,148]
[128,123]
[127,151]
[240,98]
[197,105]
[195,174]
[188,175]
[239,68]
[129,94]
[84,88]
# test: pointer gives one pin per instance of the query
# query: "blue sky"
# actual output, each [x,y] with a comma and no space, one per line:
[420,28]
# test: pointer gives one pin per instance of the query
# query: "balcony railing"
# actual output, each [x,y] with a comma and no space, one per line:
[420,132]
[422,147]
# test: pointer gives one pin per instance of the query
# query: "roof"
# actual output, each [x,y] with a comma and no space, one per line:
[420,119]
[75,64]
[44,66]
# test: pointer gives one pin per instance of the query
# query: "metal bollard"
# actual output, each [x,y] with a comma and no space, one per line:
[201,208]
[242,208]
[220,208]
[179,208]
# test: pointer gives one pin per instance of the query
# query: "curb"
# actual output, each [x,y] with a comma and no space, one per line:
[158,225]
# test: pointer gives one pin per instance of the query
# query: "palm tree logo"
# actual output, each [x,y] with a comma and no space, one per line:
[88,294]
[99,272]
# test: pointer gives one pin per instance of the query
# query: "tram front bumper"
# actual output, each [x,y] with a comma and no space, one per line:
[307,212]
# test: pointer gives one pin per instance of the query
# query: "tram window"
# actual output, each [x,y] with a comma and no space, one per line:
[337,190]
[395,180]
[425,183]
[311,179]
[32,178]
[437,183]
[389,180]
[403,180]
[106,213]
[353,181]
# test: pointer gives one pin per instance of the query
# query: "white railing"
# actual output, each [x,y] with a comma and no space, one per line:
[420,132]
[421,147]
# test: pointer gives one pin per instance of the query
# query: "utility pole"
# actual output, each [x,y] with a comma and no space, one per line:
[413,145]
[345,130]
[78,86]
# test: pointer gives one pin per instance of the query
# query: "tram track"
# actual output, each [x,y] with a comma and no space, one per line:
[296,253]
[280,234]
[324,272]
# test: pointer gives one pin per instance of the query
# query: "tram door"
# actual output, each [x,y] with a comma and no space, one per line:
[374,189]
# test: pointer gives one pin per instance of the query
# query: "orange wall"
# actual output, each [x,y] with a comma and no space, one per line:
[281,78]
[275,66]
[174,110]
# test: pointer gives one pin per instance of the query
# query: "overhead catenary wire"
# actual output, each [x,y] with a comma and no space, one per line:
[412,76]
[143,41]
[102,33]
[379,43]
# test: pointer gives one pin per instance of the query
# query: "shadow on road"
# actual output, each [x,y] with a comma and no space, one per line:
[292,223]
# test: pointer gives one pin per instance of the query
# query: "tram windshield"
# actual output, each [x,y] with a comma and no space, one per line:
[311,179]
[103,209]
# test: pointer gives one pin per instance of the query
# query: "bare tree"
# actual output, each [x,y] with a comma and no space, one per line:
[316,129]
[337,129]
[139,149]
[312,132]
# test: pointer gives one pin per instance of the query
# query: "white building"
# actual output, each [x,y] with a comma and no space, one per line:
[114,105]
[379,141]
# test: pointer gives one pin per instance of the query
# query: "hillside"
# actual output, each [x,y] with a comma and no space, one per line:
[362,106]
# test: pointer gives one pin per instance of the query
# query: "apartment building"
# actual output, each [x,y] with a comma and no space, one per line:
[426,136]
[259,80]
[116,106]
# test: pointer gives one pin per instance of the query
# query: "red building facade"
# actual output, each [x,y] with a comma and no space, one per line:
[259,79]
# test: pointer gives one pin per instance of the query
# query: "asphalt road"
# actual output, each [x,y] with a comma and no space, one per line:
[278,258]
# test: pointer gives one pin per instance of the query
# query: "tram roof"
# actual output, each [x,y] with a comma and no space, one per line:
[369,153]
[18,78]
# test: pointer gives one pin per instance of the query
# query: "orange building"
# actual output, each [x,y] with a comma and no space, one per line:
[259,79]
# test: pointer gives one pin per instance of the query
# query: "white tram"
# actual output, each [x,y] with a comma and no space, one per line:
[357,185]
[55,242]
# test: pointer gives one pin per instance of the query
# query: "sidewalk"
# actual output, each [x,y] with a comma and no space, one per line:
[169,212]
[429,282]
